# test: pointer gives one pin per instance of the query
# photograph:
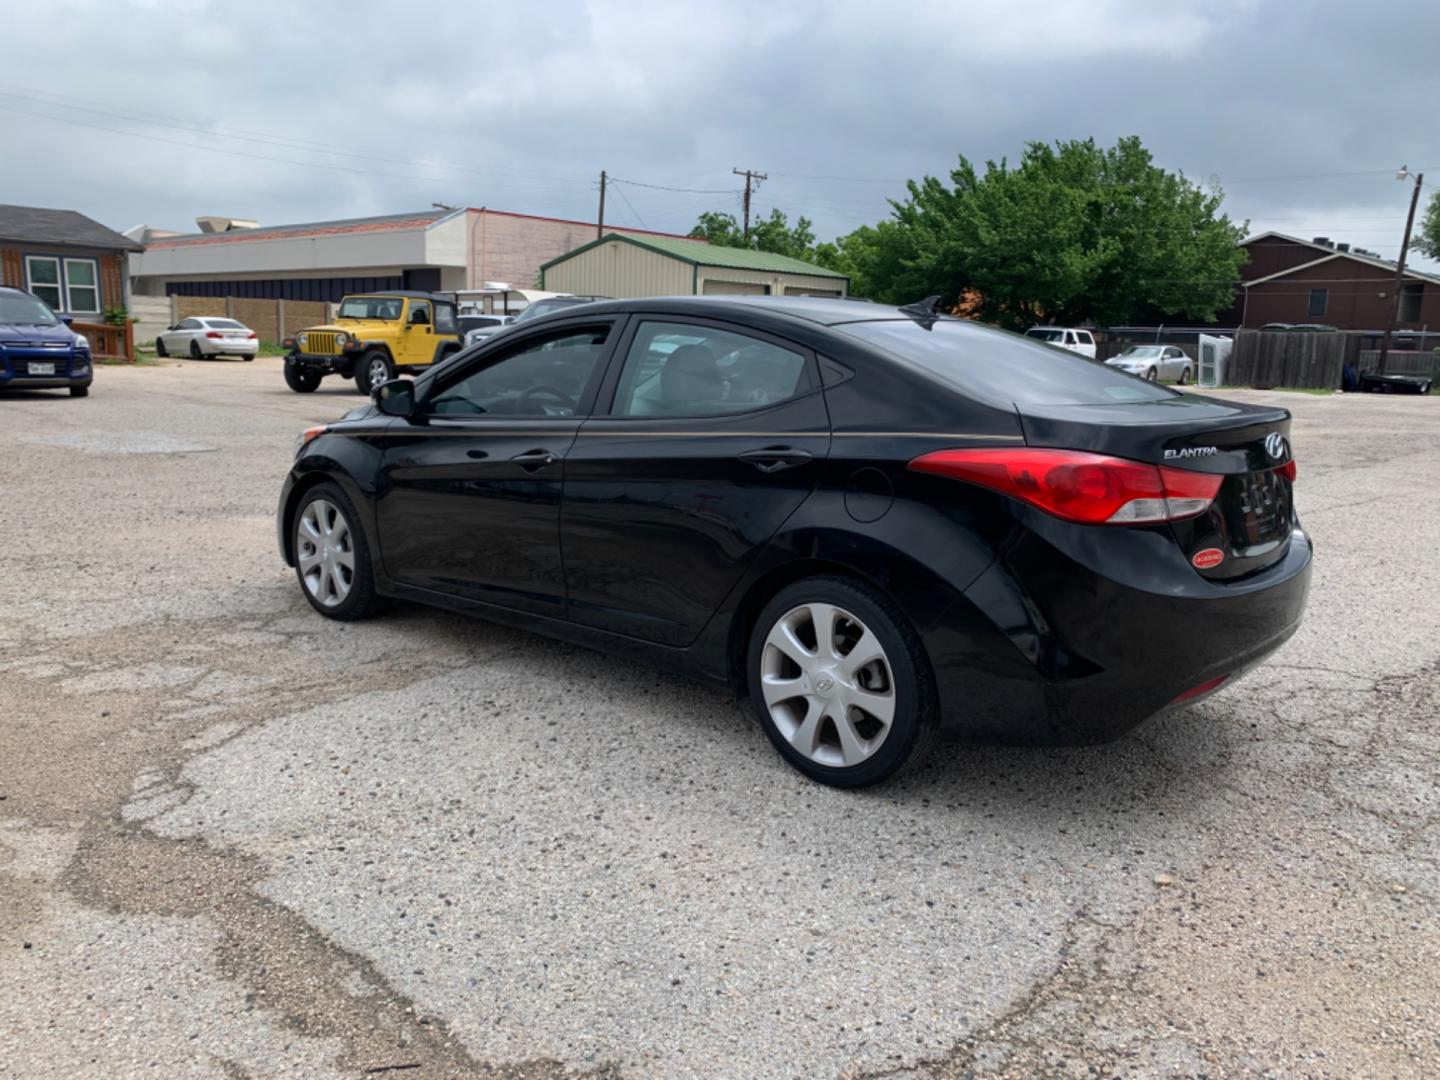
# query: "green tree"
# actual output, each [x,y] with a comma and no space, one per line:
[774,234]
[1072,233]
[1427,238]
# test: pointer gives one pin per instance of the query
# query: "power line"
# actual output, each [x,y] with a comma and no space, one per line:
[633,211]
[665,187]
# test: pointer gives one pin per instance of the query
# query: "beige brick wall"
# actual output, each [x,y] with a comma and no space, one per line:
[262,316]
[259,315]
[512,247]
[188,307]
[302,313]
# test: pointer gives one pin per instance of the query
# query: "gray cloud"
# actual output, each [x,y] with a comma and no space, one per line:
[157,112]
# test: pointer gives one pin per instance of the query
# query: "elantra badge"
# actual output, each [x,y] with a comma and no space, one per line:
[1207,559]
[1275,445]
[1191,452]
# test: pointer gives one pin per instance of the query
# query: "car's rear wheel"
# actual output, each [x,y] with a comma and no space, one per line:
[1185,377]
[160,348]
[840,682]
[195,353]
[332,559]
[300,380]
[374,368]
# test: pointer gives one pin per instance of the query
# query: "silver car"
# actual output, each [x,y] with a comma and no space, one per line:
[202,338]
[1154,362]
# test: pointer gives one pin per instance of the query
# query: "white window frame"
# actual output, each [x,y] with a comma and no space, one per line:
[94,286]
[62,274]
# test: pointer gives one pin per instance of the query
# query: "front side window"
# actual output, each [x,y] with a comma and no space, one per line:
[681,369]
[42,276]
[82,286]
[1318,300]
[546,377]
[188,324]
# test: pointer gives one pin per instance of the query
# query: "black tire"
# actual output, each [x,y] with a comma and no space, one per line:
[362,600]
[363,374]
[160,348]
[300,380]
[1152,375]
[195,353]
[79,391]
[247,359]
[916,710]
[1185,377]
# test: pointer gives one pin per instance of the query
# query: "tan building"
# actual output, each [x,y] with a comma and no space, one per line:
[434,250]
[626,265]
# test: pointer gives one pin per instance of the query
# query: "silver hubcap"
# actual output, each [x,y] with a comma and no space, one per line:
[378,373]
[827,684]
[325,551]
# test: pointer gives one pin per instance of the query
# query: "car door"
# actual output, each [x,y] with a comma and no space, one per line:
[1177,361]
[469,490]
[711,436]
[178,337]
[417,340]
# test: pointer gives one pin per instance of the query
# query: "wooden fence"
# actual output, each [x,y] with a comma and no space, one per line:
[107,341]
[1288,358]
[1401,362]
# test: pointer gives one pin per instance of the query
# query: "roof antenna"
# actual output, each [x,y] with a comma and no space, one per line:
[923,311]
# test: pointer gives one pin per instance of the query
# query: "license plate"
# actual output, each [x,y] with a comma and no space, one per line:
[42,369]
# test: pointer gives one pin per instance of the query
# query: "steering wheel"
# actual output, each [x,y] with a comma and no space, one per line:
[546,391]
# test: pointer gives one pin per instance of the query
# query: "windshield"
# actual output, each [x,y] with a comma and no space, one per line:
[1004,369]
[371,307]
[26,310]
[1141,351]
[1046,335]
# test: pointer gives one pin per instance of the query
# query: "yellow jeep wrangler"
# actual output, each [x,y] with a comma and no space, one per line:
[374,338]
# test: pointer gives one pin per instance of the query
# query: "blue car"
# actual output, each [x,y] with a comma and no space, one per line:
[38,350]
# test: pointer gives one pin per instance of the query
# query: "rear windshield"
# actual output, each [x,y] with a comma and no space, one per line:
[999,367]
[224,324]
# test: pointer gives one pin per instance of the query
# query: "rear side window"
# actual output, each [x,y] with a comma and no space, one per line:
[684,369]
[1004,368]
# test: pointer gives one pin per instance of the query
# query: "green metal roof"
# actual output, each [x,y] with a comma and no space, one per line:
[699,253]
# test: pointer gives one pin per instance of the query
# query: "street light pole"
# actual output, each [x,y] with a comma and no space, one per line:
[1399,269]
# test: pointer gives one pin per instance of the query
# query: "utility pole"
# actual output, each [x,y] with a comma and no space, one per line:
[600,226]
[751,178]
[1399,269]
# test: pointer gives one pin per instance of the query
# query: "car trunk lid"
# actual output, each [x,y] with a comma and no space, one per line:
[1248,525]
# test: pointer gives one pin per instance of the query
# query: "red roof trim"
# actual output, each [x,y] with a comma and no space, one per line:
[586,224]
[248,235]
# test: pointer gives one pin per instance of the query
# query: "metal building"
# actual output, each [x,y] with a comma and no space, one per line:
[631,266]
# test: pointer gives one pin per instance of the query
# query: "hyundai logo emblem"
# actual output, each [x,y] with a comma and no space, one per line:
[1275,445]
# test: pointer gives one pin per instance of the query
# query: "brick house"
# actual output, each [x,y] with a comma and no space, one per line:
[75,264]
[1289,280]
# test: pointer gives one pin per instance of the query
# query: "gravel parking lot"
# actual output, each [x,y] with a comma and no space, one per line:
[237,840]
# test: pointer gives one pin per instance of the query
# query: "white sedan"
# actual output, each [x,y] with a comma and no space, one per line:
[201,338]
[1154,362]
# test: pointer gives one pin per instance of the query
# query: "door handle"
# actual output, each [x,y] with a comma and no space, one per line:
[477,454]
[533,460]
[774,458]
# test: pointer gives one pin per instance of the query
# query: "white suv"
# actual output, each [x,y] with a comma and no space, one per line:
[1063,337]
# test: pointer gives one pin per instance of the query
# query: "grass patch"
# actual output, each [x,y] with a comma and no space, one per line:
[140,361]
[271,348]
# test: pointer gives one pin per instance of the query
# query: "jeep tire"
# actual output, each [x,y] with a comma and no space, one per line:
[373,368]
[300,380]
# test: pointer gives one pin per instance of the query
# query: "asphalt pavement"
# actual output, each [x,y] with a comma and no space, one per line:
[237,840]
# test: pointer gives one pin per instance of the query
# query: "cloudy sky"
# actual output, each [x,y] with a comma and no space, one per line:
[158,111]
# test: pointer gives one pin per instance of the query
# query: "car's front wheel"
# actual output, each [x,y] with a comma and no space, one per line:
[332,559]
[160,348]
[374,368]
[79,391]
[300,380]
[840,682]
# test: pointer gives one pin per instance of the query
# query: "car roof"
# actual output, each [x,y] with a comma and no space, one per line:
[411,293]
[826,311]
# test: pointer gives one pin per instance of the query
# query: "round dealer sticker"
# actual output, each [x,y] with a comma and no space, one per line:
[1210,557]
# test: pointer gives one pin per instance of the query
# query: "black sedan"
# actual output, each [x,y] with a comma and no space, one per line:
[869,520]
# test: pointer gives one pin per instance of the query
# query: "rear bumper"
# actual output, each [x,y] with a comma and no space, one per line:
[232,348]
[1043,649]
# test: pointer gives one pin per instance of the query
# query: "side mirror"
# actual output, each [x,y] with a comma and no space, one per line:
[396,397]
[68,320]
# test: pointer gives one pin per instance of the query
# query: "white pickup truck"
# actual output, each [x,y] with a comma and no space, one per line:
[1064,337]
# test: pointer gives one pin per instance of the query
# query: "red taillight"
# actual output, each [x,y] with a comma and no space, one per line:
[1196,691]
[1288,470]
[214,334]
[251,336]
[1091,489]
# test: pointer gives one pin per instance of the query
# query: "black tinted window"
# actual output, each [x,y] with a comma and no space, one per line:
[1003,368]
[682,369]
[545,377]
